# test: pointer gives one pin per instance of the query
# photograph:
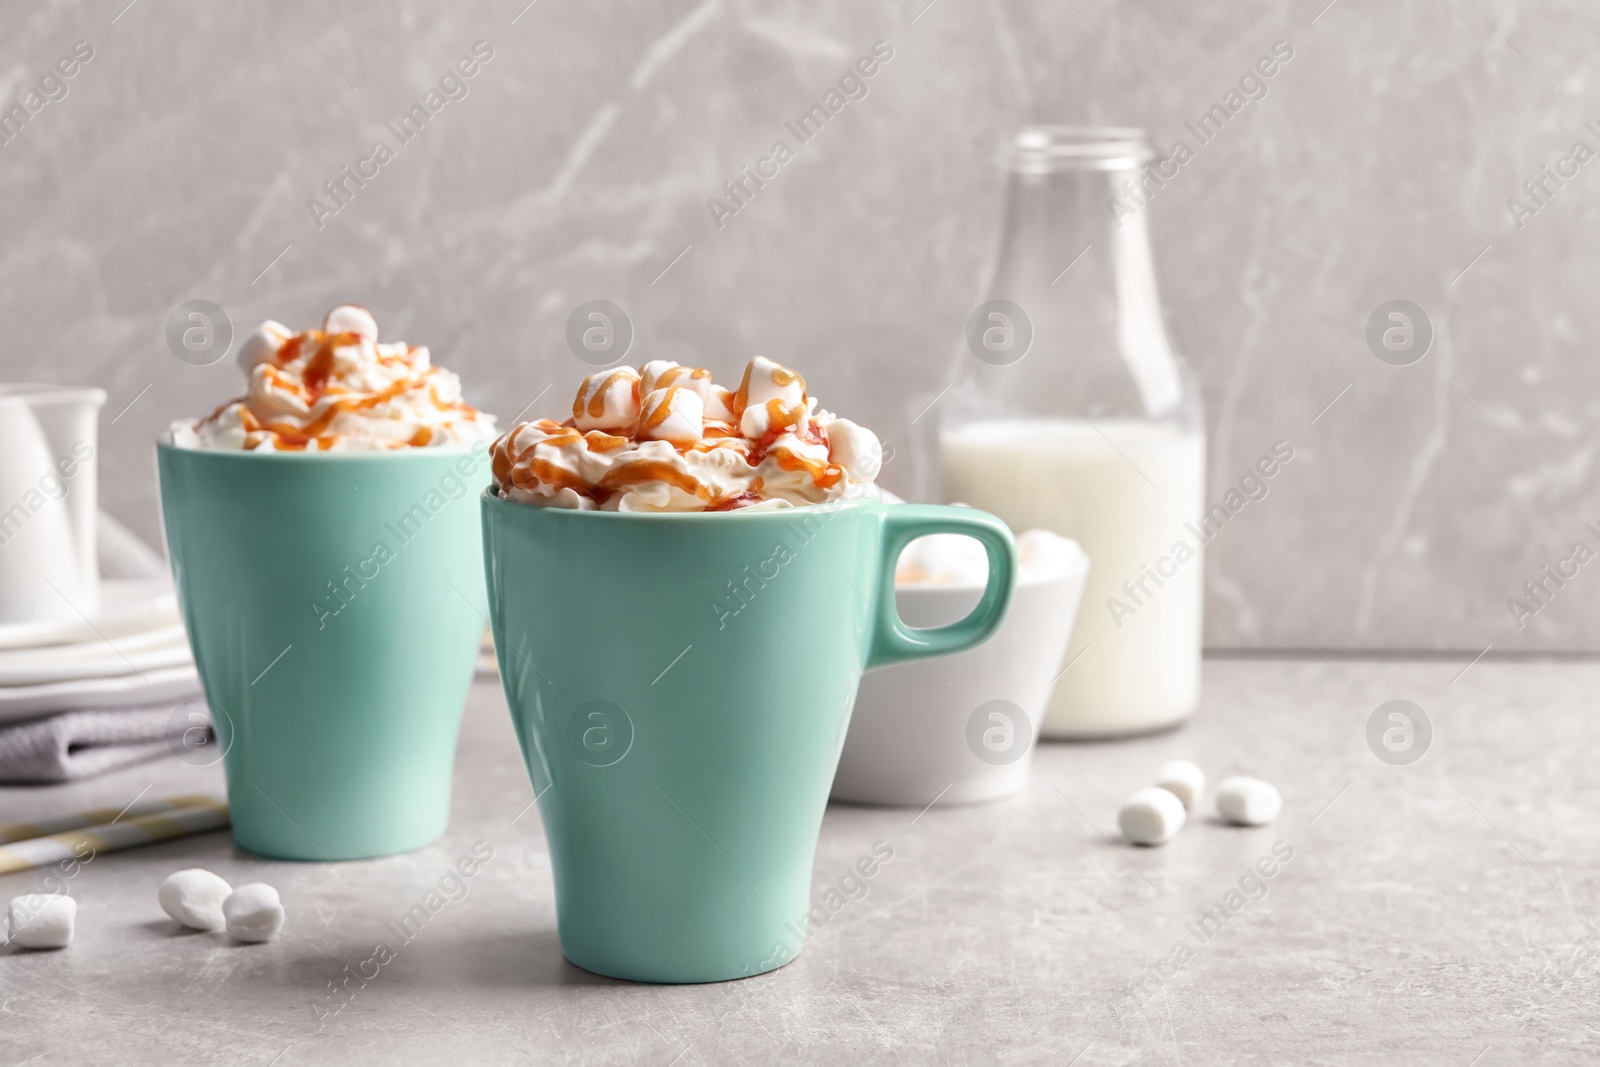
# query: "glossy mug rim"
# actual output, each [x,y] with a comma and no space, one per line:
[360,455]
[491,493]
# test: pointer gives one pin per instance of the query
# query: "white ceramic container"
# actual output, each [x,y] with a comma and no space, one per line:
[962,728]
[48,566]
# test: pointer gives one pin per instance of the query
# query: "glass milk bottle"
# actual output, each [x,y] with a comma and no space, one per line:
[1071,412]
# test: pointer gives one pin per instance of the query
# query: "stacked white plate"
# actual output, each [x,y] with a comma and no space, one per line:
[132,652]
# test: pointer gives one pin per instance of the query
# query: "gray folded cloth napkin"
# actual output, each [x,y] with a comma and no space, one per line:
[69,745]
[81,744]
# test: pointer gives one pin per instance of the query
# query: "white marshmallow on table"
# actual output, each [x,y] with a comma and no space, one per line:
[1183,780]
[262,345]
[675,414]
[608,400]
[351,318]
[253,912]
[194,898]
[1248,801]
[42,920]
[1152,816]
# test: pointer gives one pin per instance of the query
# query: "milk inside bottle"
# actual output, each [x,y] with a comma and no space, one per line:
[1072,413]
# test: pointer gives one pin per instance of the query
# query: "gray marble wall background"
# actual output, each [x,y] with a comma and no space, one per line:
[179,165]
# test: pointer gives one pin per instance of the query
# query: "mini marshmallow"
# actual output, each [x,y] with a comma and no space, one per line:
[855,448]
[351,318]
[673,414]
[608,400]
[42,920]
[661,373]
[1152,816]
[194,898]
[253,912]
[718,401]
[263,345]
[765,381]
[1248,801]
[1183,780]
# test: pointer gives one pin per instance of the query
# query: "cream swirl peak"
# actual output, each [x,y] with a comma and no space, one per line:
[337,388]
[665,437]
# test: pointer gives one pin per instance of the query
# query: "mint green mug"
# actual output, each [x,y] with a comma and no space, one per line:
[335,608]
[680,685]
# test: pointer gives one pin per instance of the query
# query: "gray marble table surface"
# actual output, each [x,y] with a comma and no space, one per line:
[1437,913]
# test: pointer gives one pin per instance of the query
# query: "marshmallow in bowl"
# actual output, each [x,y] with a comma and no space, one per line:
[950,559]
[942,559]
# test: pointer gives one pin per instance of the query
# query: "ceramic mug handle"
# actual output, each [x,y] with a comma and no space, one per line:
[892,640]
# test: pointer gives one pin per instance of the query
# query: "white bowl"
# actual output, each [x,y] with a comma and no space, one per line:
[961,727]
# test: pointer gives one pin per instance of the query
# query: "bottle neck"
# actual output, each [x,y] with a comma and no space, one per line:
[1050,218]
[1074,255]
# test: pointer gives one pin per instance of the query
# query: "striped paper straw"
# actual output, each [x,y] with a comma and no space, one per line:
[23,831]
[209,814]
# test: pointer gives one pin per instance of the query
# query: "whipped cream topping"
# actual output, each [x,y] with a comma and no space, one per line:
[665,437]
[337,389]
[950,559]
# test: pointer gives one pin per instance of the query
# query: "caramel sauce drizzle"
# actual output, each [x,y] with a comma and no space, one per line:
[672,374]
[741,395]
[549,473]
[318,369]
[514,461]
[825,475]
[600,441]
[638,471]
[781,416]
[738,500]
[500,460]
[317,384]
